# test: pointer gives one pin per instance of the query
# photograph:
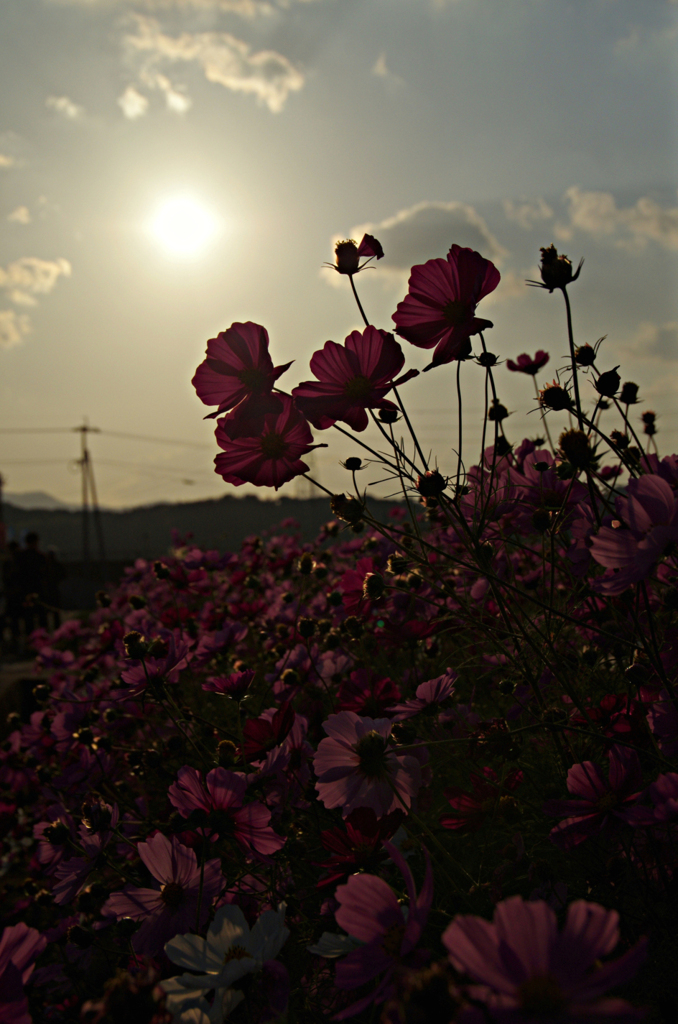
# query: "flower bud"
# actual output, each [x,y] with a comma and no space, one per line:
[346,257]
[629,393]
[305,564]
[135,645]
[585,355]
[335,598]
[373,586]
[137,601]
[431,484]
[103,599]
[56,834]
[487,359]
[648,418]
[80,937]
[227,754]
[576,449]
[502,447]
[353,626]
[541,520]
[497,412]
[556,271]
[353,463]
[619,440]
[388,415]
[306,628]
[555,397]
[608,383]
[346,508]
[161,571]
[396,564]
[158,648]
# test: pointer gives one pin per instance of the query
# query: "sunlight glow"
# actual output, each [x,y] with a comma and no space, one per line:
[183,226]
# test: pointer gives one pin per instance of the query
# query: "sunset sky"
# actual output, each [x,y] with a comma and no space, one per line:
[169,167]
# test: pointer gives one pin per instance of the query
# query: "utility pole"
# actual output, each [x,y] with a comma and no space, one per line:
[89,497]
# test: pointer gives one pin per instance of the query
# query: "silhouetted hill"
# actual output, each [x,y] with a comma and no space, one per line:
[146,532]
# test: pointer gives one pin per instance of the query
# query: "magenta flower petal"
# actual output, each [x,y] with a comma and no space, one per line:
[362,892]
[351,378]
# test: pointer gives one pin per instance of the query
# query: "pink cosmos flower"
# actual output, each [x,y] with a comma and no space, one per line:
[172,908]
[157,670]
[429,697]
[598,802]
[647,528]
[221,801]
[439,309]
[20,946]
[359,846]
[472,809]
[238,367]
[234,686]
[352,378]
[267,453]
[357,766]
[369,911]
[526,970]
[366,693]
[524,364]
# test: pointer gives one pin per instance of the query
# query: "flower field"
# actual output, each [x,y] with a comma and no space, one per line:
[421,770]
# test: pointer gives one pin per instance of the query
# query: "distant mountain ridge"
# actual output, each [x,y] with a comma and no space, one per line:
[30,500]
[146,532]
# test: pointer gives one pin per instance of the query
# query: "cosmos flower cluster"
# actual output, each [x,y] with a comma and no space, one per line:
[420,769]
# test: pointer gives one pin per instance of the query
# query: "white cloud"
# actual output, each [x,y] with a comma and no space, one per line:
[225,60]
[65,107]
[244,8]
[6,161]
[29,276]
[598,214]
[427,230]
[21,215]
[652,339]
[177,101]
[381,70]
[13,326]
[527,212]
[133,103]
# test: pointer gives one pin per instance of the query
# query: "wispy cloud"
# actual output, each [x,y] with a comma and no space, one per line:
[243,8]
[225,60]
[65,107]
[29,276]
[527,212]
[133,103]
[659,340]
[634,226]
[6,161]
[13,327]
[22,215]
[382,70]
[428,229]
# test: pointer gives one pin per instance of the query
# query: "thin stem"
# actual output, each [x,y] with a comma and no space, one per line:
[460,419]
[362,311]
[570,337]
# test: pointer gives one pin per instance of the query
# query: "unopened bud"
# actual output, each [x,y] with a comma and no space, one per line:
[388,415]
[135,645]
[353,463]
[431,484]
[373,586]
[608,383]
[305,564]
[585,355]
[629,393]
[346,258]
[306,628]
[498,412]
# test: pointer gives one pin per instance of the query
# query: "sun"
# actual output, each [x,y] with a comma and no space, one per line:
[183,226]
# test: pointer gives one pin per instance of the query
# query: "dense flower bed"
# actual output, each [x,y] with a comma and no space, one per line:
[420,770]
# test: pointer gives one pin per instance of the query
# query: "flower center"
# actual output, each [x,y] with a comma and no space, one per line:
[172,894]
[273,445]
[607,802]
[393,939]
[253,378]
[358,389]
[371,749]
[235,953]
[541,996]
[456,312]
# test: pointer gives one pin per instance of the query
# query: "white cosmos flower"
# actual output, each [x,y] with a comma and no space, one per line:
[229,951]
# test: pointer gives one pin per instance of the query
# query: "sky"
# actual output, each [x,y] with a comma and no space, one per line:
[278,127]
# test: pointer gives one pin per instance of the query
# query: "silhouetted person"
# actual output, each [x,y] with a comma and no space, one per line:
[32,572]
[54,574]
[12,591]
